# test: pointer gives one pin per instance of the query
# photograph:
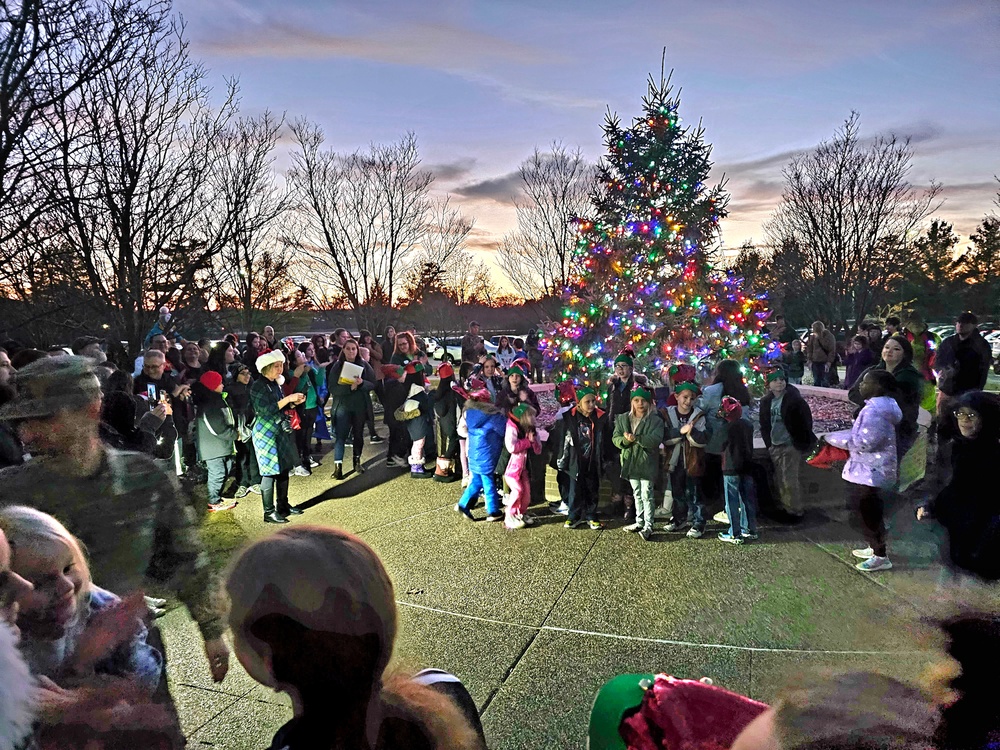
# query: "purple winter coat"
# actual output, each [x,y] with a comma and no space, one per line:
[872,444]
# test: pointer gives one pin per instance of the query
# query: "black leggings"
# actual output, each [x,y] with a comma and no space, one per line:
[867,505]
[303,436]
[267,487]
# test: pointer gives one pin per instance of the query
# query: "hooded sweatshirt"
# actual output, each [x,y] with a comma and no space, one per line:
[871,442]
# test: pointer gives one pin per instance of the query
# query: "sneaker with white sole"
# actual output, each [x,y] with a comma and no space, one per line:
[255,489]
[562,510]
[376,439]
[514,522]
[221,505]
[661,513]
[573,524]
[633,528]
[751,535]
[494,517]
[313,463]
[874,563]
[464,511]
[301,471]
[864,554]
[721,517]
[674,526]
[695,533]
[729,538]
[595,525]
[242,492]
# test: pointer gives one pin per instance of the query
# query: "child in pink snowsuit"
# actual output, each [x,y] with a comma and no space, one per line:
[519,439]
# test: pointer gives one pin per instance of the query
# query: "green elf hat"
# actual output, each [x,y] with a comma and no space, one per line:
[623,359]
[515,370]
[693,387]
[585,391]
[414,367]
[778,374]
[520,410]
[642,393]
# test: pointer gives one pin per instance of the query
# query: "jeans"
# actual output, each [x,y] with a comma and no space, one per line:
[642,490]
[343,421]
[819,373]
[565,485]
[268,485]
[487,484]
[218,470]
[584,490]
[795,381]
[247,470]
[303,436]
[741,504]
[787,477]
[688,506]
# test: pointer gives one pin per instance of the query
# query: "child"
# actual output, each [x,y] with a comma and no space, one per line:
[858,359]
[567,399]
[787,430]
[446,412]
[520,437]
[685,433]
[417,413]
[215,436]
[486,423]
[516,391]
[794,362]
[737,458]
[392,393]
[872,468]
[582,443]
[637,435]
[464,371]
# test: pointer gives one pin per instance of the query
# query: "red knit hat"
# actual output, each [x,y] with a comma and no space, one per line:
[210,379]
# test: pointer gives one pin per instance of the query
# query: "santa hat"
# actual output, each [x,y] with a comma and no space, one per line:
[481,394]
[210,379]
[412,368]
[446,370]
[567,393]
[731,409]
[269,358]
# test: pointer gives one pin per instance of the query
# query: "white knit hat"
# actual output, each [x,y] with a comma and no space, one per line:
[270,358]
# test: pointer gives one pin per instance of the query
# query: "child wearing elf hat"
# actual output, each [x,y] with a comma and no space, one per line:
[447,410]
[519,438]
[486,424]
[582,445]
[418,414]
[619,401]
[685,436]
[516,391]
[737,459]
[637,435]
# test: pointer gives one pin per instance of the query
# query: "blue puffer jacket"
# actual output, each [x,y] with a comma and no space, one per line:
[486,423]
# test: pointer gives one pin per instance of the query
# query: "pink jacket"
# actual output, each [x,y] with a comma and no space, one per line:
[872,443]
[518,448]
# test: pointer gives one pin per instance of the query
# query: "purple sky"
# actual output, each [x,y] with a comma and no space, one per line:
[482,83]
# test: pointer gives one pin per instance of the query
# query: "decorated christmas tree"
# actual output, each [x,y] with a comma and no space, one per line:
[643,278]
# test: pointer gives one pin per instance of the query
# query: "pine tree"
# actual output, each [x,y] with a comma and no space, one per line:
[643,278]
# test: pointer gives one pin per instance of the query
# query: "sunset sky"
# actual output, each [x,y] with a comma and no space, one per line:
[483,83]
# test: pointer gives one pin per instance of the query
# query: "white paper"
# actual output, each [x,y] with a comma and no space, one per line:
[349,372]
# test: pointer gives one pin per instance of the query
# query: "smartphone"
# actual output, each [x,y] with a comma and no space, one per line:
[151,392]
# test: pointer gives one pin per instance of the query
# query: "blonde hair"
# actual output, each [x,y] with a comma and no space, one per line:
[649,406]
[329,581]
[25,527]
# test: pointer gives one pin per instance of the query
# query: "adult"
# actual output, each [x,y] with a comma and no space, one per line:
[272,436]
[533,346]
[893,326]
[191,359]
[130,514]
[157,383]
[505,353]
[321,347]
[375,355]
[246,468]
[967,507]
[963,360]
[205,344]
[405,349]
[6,368]
[252,348]
[388,343]
[782,332]
[727,381]
[272,342]
[337,341]
[786,427]
[620,388]
[473,346]
[90,347]
[303,378]
[348,405]
[314,615]
[897,358]
[144,426]
[221,359]
[821,351]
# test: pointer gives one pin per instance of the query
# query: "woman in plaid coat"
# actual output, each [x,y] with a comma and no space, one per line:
[272,436]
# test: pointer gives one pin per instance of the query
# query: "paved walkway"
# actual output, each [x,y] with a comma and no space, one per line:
[535,621]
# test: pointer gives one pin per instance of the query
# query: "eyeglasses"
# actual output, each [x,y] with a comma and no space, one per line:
[966,414]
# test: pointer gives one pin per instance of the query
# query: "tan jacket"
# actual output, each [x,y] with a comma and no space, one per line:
[821,347]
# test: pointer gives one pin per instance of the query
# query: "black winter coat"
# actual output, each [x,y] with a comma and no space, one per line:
[565,442]
[796,415]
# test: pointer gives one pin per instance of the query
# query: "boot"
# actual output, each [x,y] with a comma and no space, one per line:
[358,468]
[417,472]
[273,517]
[443,471]
[338,472]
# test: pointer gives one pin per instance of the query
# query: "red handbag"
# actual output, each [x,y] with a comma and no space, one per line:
[826,456]
[295,419]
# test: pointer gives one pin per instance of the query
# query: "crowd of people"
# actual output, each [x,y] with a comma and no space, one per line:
[94,502]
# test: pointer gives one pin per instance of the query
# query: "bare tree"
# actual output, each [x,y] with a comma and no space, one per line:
[849,209]
[135,182]
[556,187]
[49,51]
[254,270]
[364,215]
[445,233]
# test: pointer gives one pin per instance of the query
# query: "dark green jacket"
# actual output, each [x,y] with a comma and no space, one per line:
[641,458]
[342,398]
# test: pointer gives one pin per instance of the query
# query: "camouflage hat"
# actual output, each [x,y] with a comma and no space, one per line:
[51,385]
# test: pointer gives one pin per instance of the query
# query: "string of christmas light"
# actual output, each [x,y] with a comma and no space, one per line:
[641,272]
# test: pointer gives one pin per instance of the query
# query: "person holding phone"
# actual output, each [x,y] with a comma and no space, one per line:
[272,436]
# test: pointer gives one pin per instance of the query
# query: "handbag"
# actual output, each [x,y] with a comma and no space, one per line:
[694,460]
[294,420]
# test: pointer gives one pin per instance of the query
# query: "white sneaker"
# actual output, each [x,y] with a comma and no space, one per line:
[563,509]
[632,528]
[695,533]
[874,563]
[661,513]
[721,517]
[301,471]
[864,554]
[513,522]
